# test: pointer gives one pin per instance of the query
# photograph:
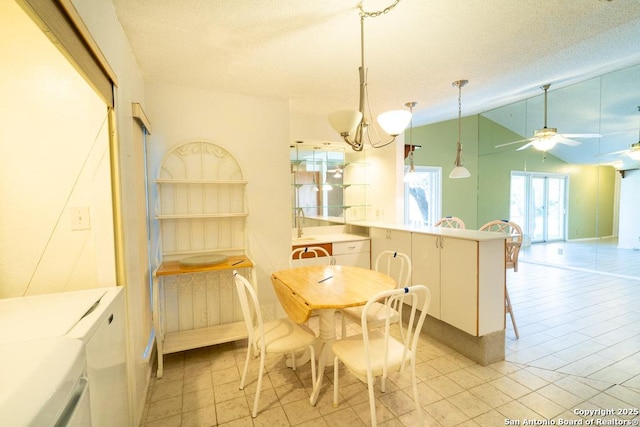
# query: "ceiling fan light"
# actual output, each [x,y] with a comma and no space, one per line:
[544,144]
[394,122]
[345,121]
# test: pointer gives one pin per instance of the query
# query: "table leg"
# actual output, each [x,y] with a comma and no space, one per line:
[326,357]
[327,333]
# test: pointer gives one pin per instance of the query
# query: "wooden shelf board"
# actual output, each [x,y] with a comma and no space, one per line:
[172,268]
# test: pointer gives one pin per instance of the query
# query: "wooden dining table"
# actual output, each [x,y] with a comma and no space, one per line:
[326,288]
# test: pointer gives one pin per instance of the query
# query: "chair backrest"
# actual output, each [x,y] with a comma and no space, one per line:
[310,255]
[450,222]
[395,264]
[250,307]
[514,241]
[416,298]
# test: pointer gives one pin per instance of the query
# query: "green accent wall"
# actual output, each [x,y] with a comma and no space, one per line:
[438,141]
[485,195]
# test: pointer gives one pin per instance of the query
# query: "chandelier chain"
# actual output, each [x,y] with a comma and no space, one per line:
[375,14]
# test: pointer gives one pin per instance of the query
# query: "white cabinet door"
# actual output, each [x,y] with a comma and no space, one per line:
[459,284]
[385,239]
[425,259]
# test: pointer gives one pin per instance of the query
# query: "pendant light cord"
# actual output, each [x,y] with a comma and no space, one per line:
[459,113]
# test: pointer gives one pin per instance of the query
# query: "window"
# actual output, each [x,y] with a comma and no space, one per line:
[423,196]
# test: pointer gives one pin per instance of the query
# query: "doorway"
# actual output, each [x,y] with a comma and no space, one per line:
[539,203]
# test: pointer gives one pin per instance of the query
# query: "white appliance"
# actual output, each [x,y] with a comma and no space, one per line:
[44,383]
[103,332]
[94,319]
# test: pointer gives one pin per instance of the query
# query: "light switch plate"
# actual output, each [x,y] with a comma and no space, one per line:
[80,218]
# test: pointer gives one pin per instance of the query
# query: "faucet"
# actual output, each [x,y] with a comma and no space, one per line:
[299,219]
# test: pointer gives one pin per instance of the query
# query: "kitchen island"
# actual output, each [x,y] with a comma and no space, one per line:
[465,271]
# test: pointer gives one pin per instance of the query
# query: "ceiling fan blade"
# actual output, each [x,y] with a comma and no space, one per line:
[566,141]
[581,135]
[613,153]
[525,145]
[512,142]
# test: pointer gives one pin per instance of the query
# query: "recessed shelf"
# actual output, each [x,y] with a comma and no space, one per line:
[200,181]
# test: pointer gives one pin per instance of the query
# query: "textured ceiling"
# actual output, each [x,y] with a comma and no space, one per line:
[307,51]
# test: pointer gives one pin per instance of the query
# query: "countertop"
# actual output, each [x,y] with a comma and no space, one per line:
[438,231]
[327,238]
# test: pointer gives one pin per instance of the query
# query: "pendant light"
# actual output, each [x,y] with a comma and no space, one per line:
[326,186]
[315,184]
[411,173]
[459,171]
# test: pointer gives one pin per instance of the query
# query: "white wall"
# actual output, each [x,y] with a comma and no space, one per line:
[256,132]
[629,226]
[386,202]
[54,157]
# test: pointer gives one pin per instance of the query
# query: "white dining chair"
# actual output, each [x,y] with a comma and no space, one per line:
[310,255]
[395,264]
[377,352]
[450,222]
[276,337]
[512,251]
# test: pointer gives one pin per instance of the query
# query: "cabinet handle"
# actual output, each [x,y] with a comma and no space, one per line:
[110,318]
[441,243]
[351,247]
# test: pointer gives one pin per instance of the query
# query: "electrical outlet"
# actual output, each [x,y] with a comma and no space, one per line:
[80,218]
[203,316]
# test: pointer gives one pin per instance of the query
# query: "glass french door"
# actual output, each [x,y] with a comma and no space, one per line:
[538,202]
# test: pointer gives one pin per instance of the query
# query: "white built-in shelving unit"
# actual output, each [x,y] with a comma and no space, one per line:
[202,212]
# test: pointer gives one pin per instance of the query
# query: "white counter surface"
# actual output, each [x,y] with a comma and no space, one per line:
[327,238]
[439,231]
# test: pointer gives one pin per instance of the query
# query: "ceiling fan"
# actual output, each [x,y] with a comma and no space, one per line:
[546,138]
[632,152]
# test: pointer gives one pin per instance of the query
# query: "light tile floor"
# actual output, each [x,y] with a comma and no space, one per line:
[579,351]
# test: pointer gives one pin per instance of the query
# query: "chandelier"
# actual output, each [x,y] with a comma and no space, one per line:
[351,124]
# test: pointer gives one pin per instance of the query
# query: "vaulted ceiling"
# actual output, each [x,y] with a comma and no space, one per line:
[308,51]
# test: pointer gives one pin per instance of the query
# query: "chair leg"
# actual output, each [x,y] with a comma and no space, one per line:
[372,399]
[293,360]
[258,387]
[246,366]
[509,309]
[416,396]
[335,382]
